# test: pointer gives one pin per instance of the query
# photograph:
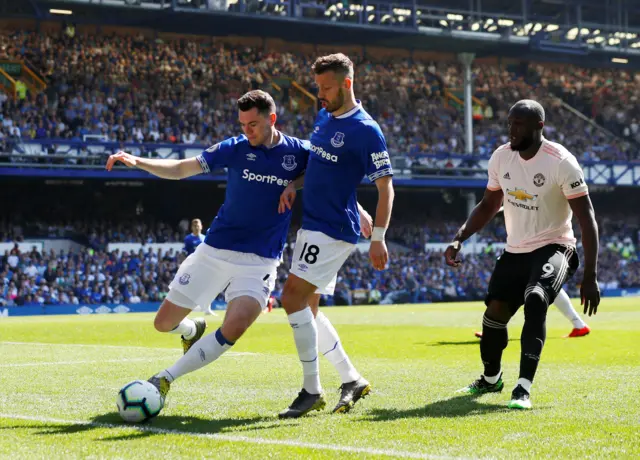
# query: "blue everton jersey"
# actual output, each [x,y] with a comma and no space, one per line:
[248,220]
[191,242]
[344,149]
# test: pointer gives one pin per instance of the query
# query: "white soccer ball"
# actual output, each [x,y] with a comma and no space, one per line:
[139,401]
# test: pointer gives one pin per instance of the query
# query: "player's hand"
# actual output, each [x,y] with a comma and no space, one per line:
[366,223]
[378,254]
[287,198]
[126,158]
[590,296]
[451,254]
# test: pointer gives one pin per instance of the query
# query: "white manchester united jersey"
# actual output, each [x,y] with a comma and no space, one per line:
[536,194]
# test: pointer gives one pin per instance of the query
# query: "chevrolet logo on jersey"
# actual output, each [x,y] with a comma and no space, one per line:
[522,195]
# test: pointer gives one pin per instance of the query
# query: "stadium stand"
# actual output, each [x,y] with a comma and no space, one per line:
[415,274]
[181,91]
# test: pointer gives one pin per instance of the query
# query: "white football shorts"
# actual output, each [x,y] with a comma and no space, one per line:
[209,271]
[330,289]
[317,259]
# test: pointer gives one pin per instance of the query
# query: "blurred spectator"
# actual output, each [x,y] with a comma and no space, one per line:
[133,89]
[414,275]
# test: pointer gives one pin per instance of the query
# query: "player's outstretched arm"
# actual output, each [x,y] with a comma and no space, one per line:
[589,290]
[378,250]
[166,169]
[479,217]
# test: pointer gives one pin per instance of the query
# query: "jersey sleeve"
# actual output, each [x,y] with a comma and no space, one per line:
[217,156]
[571,178]
[493,169]
[376,156]
[304,157]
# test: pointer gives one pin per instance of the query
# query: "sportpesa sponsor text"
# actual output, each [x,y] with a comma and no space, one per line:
[269,179]
[379,159]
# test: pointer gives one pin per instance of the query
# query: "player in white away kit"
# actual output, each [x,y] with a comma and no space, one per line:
[563,303]
[243,246]
[346,145]
[541,184]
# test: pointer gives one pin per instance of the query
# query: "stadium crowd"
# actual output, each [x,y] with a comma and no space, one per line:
[95,275]
[132,89]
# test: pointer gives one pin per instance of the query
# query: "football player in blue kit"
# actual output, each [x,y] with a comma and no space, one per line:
[191,242]
[245,241]
[193,239]
[346,145]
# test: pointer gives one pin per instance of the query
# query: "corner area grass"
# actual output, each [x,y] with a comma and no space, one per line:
[59,376]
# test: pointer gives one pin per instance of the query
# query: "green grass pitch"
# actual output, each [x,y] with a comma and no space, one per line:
[59,377]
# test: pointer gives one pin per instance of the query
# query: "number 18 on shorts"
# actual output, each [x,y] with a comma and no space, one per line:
[318,257]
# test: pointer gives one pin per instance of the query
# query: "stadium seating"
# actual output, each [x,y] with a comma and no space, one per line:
[97,276]
[182,92]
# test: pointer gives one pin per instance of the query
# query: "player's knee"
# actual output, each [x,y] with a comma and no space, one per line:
[293,297]
[314,304]
[498,311]
[163,324]
[535,306]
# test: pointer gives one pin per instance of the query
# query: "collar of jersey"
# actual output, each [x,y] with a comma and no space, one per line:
[275,145]
[351,112]
[535,157]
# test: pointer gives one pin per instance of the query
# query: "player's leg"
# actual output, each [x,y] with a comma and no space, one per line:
[241,313]
[563,303]
[330,346]
[506,289]
[200,278]
[251,281]
[316,260]
[172,318]
[354,386]
[295,299]
[551,267]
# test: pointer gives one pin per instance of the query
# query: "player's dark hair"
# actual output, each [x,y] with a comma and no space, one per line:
[193,221]
[529,108]
[259,99]
[338,63]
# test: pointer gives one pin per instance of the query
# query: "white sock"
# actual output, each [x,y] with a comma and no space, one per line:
[186,328]
[330,346]
[305,334]
[493,379]
[526,384]
[563,303]
[204,351]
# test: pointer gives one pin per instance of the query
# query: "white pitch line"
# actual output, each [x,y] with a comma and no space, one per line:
[119,347]
[55,363]
[234,438]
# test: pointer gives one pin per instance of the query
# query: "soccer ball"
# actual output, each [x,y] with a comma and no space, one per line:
[139,401]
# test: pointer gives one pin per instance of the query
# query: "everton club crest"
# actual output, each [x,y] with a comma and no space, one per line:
[289,162]
[337,140]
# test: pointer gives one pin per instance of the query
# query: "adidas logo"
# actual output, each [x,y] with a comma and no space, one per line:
[506,176]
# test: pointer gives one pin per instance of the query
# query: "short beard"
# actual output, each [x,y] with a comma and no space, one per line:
[339,102]
[524,145]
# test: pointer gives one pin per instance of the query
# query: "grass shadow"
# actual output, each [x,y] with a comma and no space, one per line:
[162,425]
[472,342]
[458,406]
